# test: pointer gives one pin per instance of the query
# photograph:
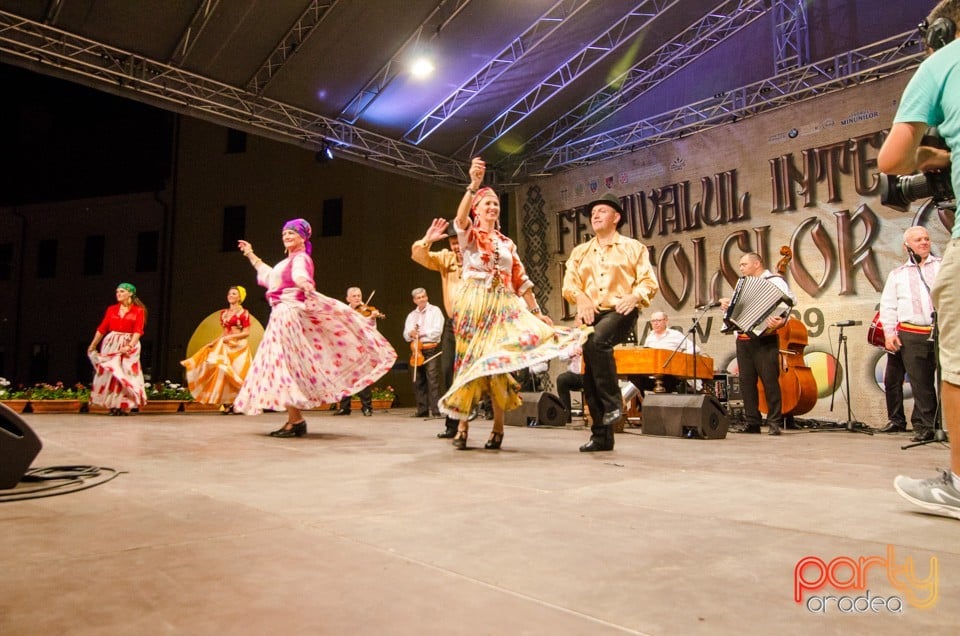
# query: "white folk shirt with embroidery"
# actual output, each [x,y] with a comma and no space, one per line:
[905,299]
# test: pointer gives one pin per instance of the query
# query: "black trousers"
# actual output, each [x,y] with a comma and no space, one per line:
[566,382]
[426,386]
[759,358]
[366,400]
[449,343]
[920,363]
[893,375]
[600,387]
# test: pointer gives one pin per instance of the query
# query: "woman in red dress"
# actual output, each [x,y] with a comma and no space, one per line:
[118,383]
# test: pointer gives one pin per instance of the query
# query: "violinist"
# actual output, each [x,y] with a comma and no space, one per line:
[423,329]
[355,301]
[759,357]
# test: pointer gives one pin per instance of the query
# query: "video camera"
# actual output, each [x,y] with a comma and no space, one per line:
[898,191]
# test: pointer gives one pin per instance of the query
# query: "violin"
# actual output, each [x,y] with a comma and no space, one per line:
[416,354]
[798,387]
[370,310]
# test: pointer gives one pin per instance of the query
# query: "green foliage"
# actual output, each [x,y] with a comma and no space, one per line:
[378,393]
[167,390]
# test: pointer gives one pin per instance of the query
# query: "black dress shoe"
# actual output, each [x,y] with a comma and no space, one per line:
[420,415]
[298,429]
[923,436]
[597,443]
[893,427]
[447,434]
[367,412]
[774,430]
[343,412]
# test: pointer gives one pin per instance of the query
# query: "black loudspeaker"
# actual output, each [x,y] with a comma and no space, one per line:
[698,416]
[18,446]
[543,408]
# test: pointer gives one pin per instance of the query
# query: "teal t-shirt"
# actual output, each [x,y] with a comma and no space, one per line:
[932,97]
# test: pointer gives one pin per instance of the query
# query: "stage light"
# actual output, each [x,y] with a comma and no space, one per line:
[325,153]
[422,67]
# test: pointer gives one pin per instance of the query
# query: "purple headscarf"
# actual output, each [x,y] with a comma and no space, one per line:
[301,227]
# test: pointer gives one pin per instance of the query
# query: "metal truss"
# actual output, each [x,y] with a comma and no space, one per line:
[192,33]
[305,25]
[433,24]
[543,27]
[715,27]
[874,61]
[56,52]
[623,30]
[791,42]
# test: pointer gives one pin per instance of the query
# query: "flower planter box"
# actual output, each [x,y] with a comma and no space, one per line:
[199,407]
[161,406]
[55,406]
[17,406]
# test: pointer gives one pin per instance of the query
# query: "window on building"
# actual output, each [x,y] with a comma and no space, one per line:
[6,261]
[47,258]
[236,141]
[148,251]
[234,226]
[93,249]
[332,222]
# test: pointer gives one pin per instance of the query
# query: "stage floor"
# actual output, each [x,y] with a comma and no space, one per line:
[372,525]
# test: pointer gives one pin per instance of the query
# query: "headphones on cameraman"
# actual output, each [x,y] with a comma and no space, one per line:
[939,34]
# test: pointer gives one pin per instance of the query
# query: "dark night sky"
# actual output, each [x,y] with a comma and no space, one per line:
[60,140]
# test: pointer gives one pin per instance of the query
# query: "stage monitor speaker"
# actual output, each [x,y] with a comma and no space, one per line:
[18,446]
[543,408]
[697,416]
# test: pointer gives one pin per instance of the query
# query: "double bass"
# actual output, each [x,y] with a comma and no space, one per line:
[798,387]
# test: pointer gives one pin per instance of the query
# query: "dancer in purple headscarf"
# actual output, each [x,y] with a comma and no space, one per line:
[315,349]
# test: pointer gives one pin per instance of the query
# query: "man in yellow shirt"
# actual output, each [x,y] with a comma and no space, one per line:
[448,263]
[610,279]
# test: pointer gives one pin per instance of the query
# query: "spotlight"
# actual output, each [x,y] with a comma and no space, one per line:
[325,153]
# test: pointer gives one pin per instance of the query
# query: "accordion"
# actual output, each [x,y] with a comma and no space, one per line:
[754,300]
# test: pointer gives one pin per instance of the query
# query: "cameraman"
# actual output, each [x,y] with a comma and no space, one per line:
[932,98]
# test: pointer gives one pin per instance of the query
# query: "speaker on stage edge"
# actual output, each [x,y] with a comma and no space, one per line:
[541,408]
[696,416]
[18,446]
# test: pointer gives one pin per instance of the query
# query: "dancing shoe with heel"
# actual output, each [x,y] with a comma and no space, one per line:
[496,439]
[291,429]
[460,440]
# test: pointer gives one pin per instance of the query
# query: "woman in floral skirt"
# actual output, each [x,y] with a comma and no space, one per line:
[216,372]
[314,349]
[118,382]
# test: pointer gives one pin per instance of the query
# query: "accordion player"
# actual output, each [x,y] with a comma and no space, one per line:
[754,300]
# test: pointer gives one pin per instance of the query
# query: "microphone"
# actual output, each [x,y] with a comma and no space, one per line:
[847,323]
[715,303]
[913,256]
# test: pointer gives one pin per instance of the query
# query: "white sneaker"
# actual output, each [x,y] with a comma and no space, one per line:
[938,494]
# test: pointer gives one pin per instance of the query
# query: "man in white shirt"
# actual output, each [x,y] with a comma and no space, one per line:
[423,329]
[661,337]
[906,312]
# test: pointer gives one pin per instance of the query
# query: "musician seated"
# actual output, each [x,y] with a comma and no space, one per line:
[661,337]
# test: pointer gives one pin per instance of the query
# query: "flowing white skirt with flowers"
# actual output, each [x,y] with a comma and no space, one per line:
[496,335]
[118,383]
[313,353]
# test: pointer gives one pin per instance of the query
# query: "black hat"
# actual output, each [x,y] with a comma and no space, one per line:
[451,230]
[608,199]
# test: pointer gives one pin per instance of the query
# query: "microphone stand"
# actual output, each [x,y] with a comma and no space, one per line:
[939,435]
[692,332]
[850,425]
